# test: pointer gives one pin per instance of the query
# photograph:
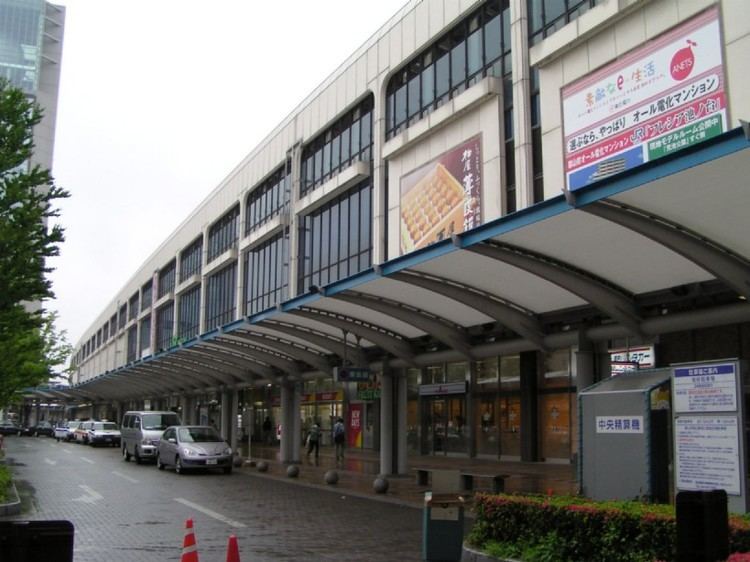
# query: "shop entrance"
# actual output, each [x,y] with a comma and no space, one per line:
[444,425]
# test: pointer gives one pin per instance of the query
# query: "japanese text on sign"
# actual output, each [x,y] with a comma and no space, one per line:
[619,424]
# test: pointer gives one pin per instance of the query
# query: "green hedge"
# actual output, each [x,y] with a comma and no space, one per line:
[5,475]
[559,528]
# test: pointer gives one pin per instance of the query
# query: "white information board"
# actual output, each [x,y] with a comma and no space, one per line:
[709,387]
[707,453]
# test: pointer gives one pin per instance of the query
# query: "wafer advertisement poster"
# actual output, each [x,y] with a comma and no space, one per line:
[442,197]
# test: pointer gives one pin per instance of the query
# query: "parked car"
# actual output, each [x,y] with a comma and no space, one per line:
[104,433]
[65,432]
[193,447]
[141,432]
[44,428]
[9,428]
[81,433]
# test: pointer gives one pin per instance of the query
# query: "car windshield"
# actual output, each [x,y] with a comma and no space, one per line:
[105,426]
[160,421]
[199,435]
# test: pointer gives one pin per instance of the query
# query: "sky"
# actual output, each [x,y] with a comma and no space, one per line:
[159,100]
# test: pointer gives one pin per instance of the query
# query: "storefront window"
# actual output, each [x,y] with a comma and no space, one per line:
[556,372]
[556,403]
[510,372]
[413,377]
[486,422]
[434,374]
[510,427]
[457,372]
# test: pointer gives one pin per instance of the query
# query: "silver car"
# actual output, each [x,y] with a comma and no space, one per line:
[189,447]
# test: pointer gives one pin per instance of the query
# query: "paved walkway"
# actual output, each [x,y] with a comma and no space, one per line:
[360,468]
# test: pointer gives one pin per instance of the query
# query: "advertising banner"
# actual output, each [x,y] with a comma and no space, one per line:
[354,423]
[442,198]
[660,98]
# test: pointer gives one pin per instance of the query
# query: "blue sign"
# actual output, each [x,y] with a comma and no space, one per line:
[351,374]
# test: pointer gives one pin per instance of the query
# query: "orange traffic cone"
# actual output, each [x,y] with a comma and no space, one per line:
[189,548]
[233,551]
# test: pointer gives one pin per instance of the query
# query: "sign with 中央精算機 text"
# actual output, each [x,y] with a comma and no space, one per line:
[619,424]
[708,387]
[660,98]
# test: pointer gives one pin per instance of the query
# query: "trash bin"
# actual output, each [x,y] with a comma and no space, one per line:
[702,526]
[442,527]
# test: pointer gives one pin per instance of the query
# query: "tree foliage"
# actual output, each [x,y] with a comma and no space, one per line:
[29,345]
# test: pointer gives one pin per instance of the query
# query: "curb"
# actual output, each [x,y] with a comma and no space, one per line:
[12,507]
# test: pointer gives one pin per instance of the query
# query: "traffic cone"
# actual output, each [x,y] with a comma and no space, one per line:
[189,548]
[233,551]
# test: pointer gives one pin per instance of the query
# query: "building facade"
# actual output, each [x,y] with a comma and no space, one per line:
[471,216]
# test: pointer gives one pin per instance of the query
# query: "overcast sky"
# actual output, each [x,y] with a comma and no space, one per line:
[159,100]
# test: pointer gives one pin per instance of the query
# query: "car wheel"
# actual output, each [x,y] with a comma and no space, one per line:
[227,470]
[159,464]
[137,457]
[178,468]
[125,454]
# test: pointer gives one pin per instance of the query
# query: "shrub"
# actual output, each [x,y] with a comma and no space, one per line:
[559,528]
[5,475]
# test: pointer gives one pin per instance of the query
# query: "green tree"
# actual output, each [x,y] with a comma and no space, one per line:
[29,346]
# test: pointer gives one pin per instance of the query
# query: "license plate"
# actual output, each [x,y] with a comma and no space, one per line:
[210,461]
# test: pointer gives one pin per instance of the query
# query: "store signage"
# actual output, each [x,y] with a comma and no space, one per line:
[658,99]
[708,387]
[443,388]
[368,390]
[619,424]
[631,359]
[707,453]
[351,374]
[354,433]
[443,197]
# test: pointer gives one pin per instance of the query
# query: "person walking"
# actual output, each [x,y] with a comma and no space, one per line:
[339,437]
[313,440]
[267,435]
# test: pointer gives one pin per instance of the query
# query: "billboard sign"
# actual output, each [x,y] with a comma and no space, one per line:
[442,197]
[660,98]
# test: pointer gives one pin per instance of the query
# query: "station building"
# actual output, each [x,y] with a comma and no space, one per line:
[488,207]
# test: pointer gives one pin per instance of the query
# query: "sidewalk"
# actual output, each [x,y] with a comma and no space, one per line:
[360,468]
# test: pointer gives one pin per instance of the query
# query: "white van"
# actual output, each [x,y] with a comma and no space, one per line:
[141,432]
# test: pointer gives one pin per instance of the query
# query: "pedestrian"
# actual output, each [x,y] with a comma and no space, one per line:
[339,437]
[267,437]
[313,440]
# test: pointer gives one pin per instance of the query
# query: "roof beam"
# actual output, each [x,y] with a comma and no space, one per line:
[337,346]
[227,355]
[726,266]
[315,360]
[525,324]
[241,346]
[601,295]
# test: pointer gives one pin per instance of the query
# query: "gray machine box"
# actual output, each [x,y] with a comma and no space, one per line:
[624,437]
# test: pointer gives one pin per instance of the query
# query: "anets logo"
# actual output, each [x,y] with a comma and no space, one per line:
[683,62]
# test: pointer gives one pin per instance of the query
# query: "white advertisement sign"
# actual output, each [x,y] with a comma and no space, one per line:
[619,424]
[658,99]
[710,387]
[707,454]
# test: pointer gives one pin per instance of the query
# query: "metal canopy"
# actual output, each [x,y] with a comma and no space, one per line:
[677,221]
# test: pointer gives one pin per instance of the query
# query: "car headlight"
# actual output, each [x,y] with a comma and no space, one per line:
[189,452]
[227,451]
[153,442]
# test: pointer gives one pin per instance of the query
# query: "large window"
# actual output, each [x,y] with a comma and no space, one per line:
[165,326]
[122,317]
[266,200]
[145,335]
[478,46]
[220,297]
[132,354]
[345,142]
[335,240]
[133,307]
[547,16]
[223,234]
[146,295]
[113,325]
[167,279]
[191,259]
[189,314]
[266,274]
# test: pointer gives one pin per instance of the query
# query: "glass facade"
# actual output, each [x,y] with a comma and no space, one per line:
[266,280]
[268,199]
[133,307]
[189,314]
[347,141]
[478,46]
[132,353]
[167,279]
[191,259]
[547,16]
[335,239]
[146,296]
[220,297]
[145,335]
[165,326]
[223,234]
[21,36]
